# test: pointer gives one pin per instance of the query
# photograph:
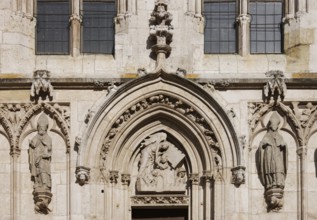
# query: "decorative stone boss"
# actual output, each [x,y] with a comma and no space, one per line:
[272,164]
[40,152]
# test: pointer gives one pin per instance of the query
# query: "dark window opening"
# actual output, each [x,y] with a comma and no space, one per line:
[52,30]
[98,26]
[266,26]
[220,28]
[160,214]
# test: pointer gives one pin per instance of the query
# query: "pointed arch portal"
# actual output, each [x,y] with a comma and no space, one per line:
[172,121]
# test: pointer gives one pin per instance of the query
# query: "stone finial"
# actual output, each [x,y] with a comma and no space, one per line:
[238,175]
[41,86]
[161,32]
[82,175]
[275,88]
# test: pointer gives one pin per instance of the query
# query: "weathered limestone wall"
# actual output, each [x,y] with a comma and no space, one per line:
[17,41]
[102,198]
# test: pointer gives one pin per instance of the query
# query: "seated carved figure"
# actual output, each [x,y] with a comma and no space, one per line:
[159,163]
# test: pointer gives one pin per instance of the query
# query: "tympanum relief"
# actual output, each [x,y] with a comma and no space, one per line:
[161,166]
[272,160]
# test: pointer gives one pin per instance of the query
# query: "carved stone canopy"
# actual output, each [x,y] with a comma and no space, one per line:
[41,86]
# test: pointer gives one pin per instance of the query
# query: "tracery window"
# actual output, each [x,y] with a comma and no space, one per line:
[261,32]
[266,26]
[220,28]
[98,26]
[57,33]
[52,29]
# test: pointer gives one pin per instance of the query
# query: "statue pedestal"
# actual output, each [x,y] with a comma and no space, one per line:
[42,199]
[274,199]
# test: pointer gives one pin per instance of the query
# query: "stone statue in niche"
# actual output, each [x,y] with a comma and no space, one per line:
[272,164]
[161,166]
[40,153]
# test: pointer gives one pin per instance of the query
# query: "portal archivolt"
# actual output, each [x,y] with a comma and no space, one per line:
[160,133]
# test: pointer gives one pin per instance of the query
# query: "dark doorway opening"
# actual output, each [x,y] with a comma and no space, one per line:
[160,214]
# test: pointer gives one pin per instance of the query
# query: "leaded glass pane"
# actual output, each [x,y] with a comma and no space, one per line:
[52,30]
[265,31]
[220,33]
[98,27]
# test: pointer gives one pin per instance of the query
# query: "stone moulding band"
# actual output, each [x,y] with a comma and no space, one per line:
[159,200]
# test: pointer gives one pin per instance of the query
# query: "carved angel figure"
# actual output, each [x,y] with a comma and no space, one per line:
[272,156]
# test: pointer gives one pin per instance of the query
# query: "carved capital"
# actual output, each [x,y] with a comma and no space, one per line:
[207,175]
[243,19]
[125,179]
[75,17]
[113,176]
[238,175]
[302,151]
[194,178]
[82,175]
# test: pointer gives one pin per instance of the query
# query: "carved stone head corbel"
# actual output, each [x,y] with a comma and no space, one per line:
[82,175]
[238,175]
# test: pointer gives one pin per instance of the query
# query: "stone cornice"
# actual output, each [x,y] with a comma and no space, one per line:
[102,83]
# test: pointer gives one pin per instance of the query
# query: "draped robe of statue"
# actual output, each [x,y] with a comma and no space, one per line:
[40,152]
[272,156]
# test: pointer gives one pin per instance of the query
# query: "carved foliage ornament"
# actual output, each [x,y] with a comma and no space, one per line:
[169,102]
[162,200]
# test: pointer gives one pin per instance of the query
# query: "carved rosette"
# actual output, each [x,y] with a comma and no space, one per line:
[160,200]
[171,103]
[82,175]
